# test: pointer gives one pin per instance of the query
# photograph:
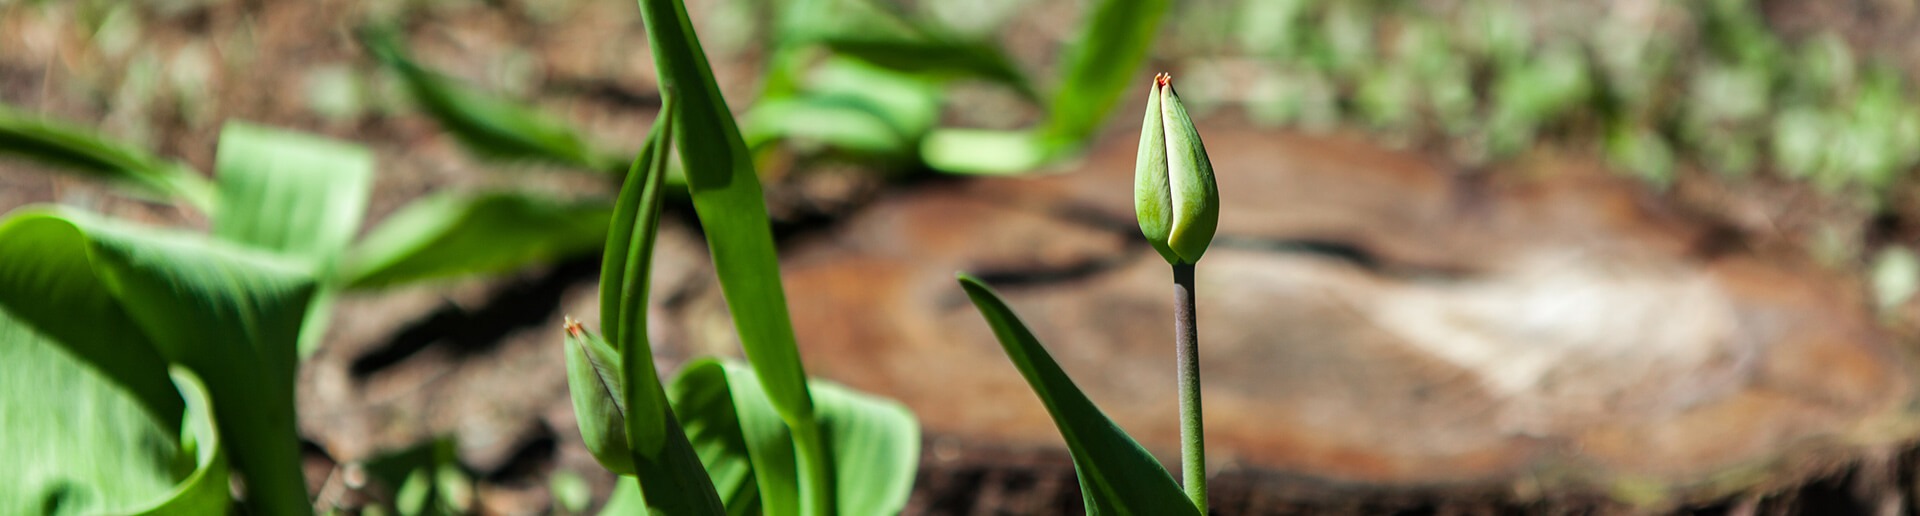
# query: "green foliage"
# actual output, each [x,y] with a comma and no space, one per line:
[460,234]
[295,195]
[750,454]
[727,198]
[228,313]
[84,444]
[489,126]
[426,478]
[78,150]
[1117,476]
[1109,49]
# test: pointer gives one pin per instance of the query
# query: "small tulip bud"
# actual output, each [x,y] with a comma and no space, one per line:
[599,404]
[1174,195]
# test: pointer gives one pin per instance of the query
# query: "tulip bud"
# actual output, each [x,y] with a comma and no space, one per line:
[599,404]
[1174,195]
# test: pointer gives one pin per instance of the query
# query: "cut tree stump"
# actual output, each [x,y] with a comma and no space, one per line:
[1377,332]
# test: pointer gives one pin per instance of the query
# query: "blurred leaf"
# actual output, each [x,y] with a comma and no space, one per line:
[1896,277]
[985,152]
[414,473]
[1103,60]
[489,125]
[205,490]
[76,442]
[298,195]
[626,499]
[229,313]
[875,442]
[452,234]
[852,106]
[939,57]
[79,150]
[1117,476]
[727,198]
[571,494]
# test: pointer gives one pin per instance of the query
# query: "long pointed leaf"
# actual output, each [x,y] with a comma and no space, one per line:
[457,234]
[1117,476]
[665,466]
[1103,60]
[488,125]
[727,198]
[58,144]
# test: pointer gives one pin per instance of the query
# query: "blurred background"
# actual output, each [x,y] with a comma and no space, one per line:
[1473,256]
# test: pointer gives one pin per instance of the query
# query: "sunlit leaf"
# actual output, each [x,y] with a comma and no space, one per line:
[58,144]
[75,442]
[456,234]
[665,466]
[875,442]
[1101,62]
[1117,476]
[229,313]
[295,194]
[727,198]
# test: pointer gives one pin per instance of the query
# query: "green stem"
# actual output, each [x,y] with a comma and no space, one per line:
[816,471]
[1193,449]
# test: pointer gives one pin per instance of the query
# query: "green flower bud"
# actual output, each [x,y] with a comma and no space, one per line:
[1174,195]
[599,402]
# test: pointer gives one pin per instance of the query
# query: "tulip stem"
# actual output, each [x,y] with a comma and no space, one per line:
[1193,450]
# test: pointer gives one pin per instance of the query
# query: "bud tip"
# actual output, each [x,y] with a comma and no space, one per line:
[573,326]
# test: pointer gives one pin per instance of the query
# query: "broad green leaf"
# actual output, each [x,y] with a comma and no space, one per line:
[229,313]
[205,490]
[50,284]
[58,144]
[488,125]
[75,442]
[875,442]
[291,193]
[1117,476]
[295,194]
[744,445]
[454,234]
[727,198]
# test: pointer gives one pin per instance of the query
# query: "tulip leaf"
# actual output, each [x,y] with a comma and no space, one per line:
[298,195]
[1115,40]
[624,398]
[76,441]
[727,198]
[229,313]
[72,148]
[454,234]
[1117,476]
[875,442]
[204,491]
[488,125]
